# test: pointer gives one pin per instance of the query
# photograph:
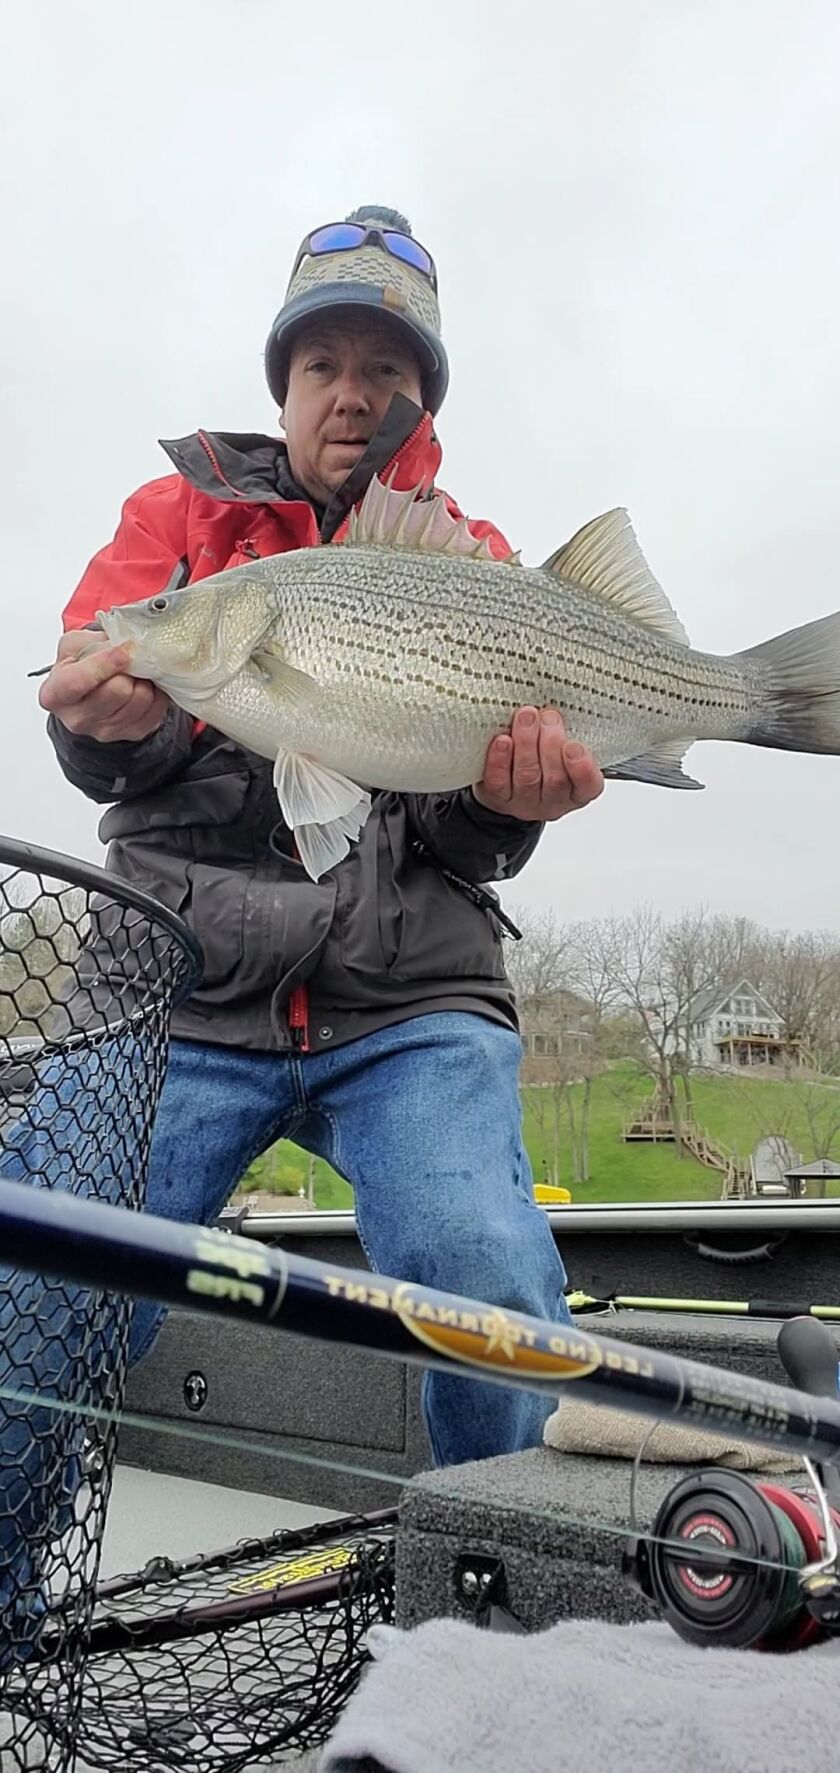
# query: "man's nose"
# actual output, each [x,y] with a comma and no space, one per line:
[351,394]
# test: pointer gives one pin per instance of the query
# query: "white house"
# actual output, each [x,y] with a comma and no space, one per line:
[735,1025]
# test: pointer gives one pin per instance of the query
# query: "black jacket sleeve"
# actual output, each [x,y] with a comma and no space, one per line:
[126,768]
[467,837]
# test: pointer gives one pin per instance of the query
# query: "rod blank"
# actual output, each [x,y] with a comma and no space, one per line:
[101,1246]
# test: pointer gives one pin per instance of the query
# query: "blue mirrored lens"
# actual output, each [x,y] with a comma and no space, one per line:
[336,237]
[410,251]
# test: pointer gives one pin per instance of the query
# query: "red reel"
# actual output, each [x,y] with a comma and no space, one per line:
[737,1581]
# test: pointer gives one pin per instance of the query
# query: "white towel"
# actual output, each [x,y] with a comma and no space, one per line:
[585,1697]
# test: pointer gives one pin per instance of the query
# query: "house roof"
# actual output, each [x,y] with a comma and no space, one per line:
[704,1004]
[544,1002]
[821,1166]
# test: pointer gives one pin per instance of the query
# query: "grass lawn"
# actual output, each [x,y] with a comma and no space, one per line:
[735,1111]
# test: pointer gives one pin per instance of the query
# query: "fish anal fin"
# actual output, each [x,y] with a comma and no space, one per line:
[662,767]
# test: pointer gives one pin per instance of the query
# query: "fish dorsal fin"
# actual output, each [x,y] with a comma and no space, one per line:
[392,519]
[605,557]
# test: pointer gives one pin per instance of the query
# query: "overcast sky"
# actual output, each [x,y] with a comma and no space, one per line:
[633,206]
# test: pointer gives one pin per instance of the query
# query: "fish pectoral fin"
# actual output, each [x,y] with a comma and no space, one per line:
[606,558]
[325,810]
[662,767]
[296,687]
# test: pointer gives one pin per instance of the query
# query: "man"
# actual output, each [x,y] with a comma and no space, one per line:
[367,1016]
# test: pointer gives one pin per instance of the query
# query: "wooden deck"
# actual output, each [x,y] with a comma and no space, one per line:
[650,1126]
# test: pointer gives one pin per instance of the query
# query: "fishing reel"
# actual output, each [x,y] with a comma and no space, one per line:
[750,1564]
[735,1563]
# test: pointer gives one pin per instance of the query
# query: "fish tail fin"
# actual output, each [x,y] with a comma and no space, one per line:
[799,682]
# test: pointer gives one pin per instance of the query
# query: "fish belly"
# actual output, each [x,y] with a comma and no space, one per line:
[379,745]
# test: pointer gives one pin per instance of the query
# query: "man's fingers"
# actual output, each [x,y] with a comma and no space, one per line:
[584,775]
[552,745]
[76,643]
[90,691]
[73,678]
[527,771]
[108,703]
[496,782]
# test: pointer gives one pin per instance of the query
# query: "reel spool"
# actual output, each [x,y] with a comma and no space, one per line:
[755,1572]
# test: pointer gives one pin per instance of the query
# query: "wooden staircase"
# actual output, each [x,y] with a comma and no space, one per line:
[652,1125]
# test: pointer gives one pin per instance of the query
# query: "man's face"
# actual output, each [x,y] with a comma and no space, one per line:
[342,378]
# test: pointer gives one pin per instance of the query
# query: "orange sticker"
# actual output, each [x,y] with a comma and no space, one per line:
[494,1338]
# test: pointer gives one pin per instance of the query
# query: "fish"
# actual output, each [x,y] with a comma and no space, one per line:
[391,659]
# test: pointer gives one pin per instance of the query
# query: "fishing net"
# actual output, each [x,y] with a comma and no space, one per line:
[89,973]
[218,1662]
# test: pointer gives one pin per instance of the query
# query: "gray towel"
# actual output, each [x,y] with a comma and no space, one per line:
[585,1697]
[577,1427]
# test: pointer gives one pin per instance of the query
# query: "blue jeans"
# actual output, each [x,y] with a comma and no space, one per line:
[424,1121]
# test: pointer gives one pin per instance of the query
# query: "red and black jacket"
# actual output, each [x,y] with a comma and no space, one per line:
[289,963]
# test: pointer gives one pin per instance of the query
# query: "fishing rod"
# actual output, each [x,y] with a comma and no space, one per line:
[766,1308]
[100,1245]
[211,1271]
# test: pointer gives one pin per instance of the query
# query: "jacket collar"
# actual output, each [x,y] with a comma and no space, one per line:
[250,468]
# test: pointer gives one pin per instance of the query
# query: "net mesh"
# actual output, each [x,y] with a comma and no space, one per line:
[89,973]
[219,1663]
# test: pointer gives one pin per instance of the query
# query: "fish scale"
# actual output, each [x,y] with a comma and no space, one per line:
[574,669]
[391,661]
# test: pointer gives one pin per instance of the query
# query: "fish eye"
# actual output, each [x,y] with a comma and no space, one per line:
[159,604]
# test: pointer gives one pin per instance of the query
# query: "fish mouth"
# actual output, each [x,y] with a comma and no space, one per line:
[118,631]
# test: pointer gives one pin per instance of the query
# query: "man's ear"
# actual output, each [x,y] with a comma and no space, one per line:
[281,420]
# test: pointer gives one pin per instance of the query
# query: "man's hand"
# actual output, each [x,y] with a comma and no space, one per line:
[537,773]
[90,692]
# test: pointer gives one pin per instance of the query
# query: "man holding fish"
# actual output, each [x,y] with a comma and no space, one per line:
[355,997]
[322,709]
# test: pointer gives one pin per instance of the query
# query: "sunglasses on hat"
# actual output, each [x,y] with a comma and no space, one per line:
[347,236]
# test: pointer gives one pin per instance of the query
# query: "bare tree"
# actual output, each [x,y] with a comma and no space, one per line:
[592,976]
[701,951]
[799,973]
[537,963]
[824,1033]
[659,969]
[821,1112]
[39,942]
[537,970]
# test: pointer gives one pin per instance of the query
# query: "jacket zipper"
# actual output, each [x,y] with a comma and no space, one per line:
[382,474]
[298,1018]
[403,446]
[297,1013]
[210,453]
